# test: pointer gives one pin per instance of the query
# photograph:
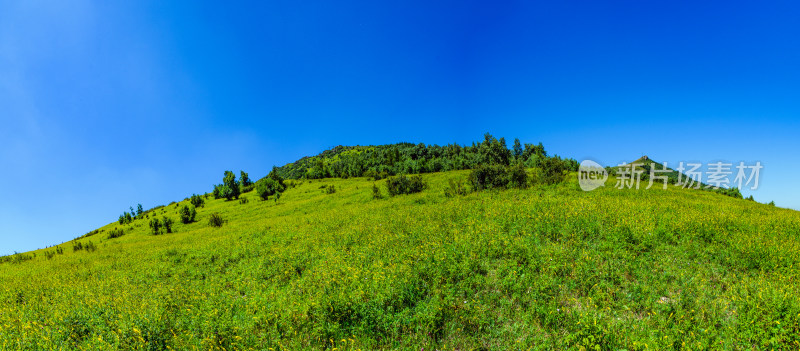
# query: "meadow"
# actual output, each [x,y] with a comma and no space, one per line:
[549,267]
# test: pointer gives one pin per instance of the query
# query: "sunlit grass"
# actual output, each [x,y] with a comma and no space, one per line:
[550,267]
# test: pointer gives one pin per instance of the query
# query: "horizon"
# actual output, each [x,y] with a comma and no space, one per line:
[110,105]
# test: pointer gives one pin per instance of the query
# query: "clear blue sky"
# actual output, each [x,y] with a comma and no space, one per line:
[108,104]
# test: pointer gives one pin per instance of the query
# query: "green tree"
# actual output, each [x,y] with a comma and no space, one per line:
[166,222]
[245,184]
[197,201]
[155,226]
[244,179]
[517,151]
[274,175]
[187,214]
[233,186]
[493,151]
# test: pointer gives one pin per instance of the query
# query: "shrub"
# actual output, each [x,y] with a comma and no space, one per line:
[155,226]
[166,222]
[215,220]
[197,201]
[243,200]
[116,233]
[455,188]
[267,187]
[330,189]
[217,191]
[125,218]
[488,177]
[376,192]
[517,176]
[88,246]
[405,185]
[49,254]
[223,192]
[187,214]
[553,170]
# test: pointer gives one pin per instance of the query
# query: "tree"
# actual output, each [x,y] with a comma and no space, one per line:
[534,153]
[197,201]
[166,222]
[493,151]
[155,226]
[233,186]
[139,210]
[274,175]
[517,148]
[245,184]
[188,214]
[244,179]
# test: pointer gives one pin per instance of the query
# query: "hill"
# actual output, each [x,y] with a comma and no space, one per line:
[380,161]
[647,166]
[548,267]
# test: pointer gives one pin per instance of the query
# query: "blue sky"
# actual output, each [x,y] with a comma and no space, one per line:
[105,105]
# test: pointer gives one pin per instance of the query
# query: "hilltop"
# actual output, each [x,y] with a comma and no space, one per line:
[333,264]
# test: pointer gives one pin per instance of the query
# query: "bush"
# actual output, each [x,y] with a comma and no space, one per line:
[215,220]
[224,192]
[330,189]
[376,192]
[155,226]
[455,188]
[187,214]
[405,185]
[553,170]
[166,222]
[88,246]
[488,177]
[125,218]
[116,233]
[197,201]
[517,176]
[267,187]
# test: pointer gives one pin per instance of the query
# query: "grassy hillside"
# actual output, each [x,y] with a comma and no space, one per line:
[549,267]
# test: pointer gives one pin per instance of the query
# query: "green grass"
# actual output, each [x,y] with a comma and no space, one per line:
[549,267]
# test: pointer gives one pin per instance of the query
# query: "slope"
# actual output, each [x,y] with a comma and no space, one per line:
[546,267]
